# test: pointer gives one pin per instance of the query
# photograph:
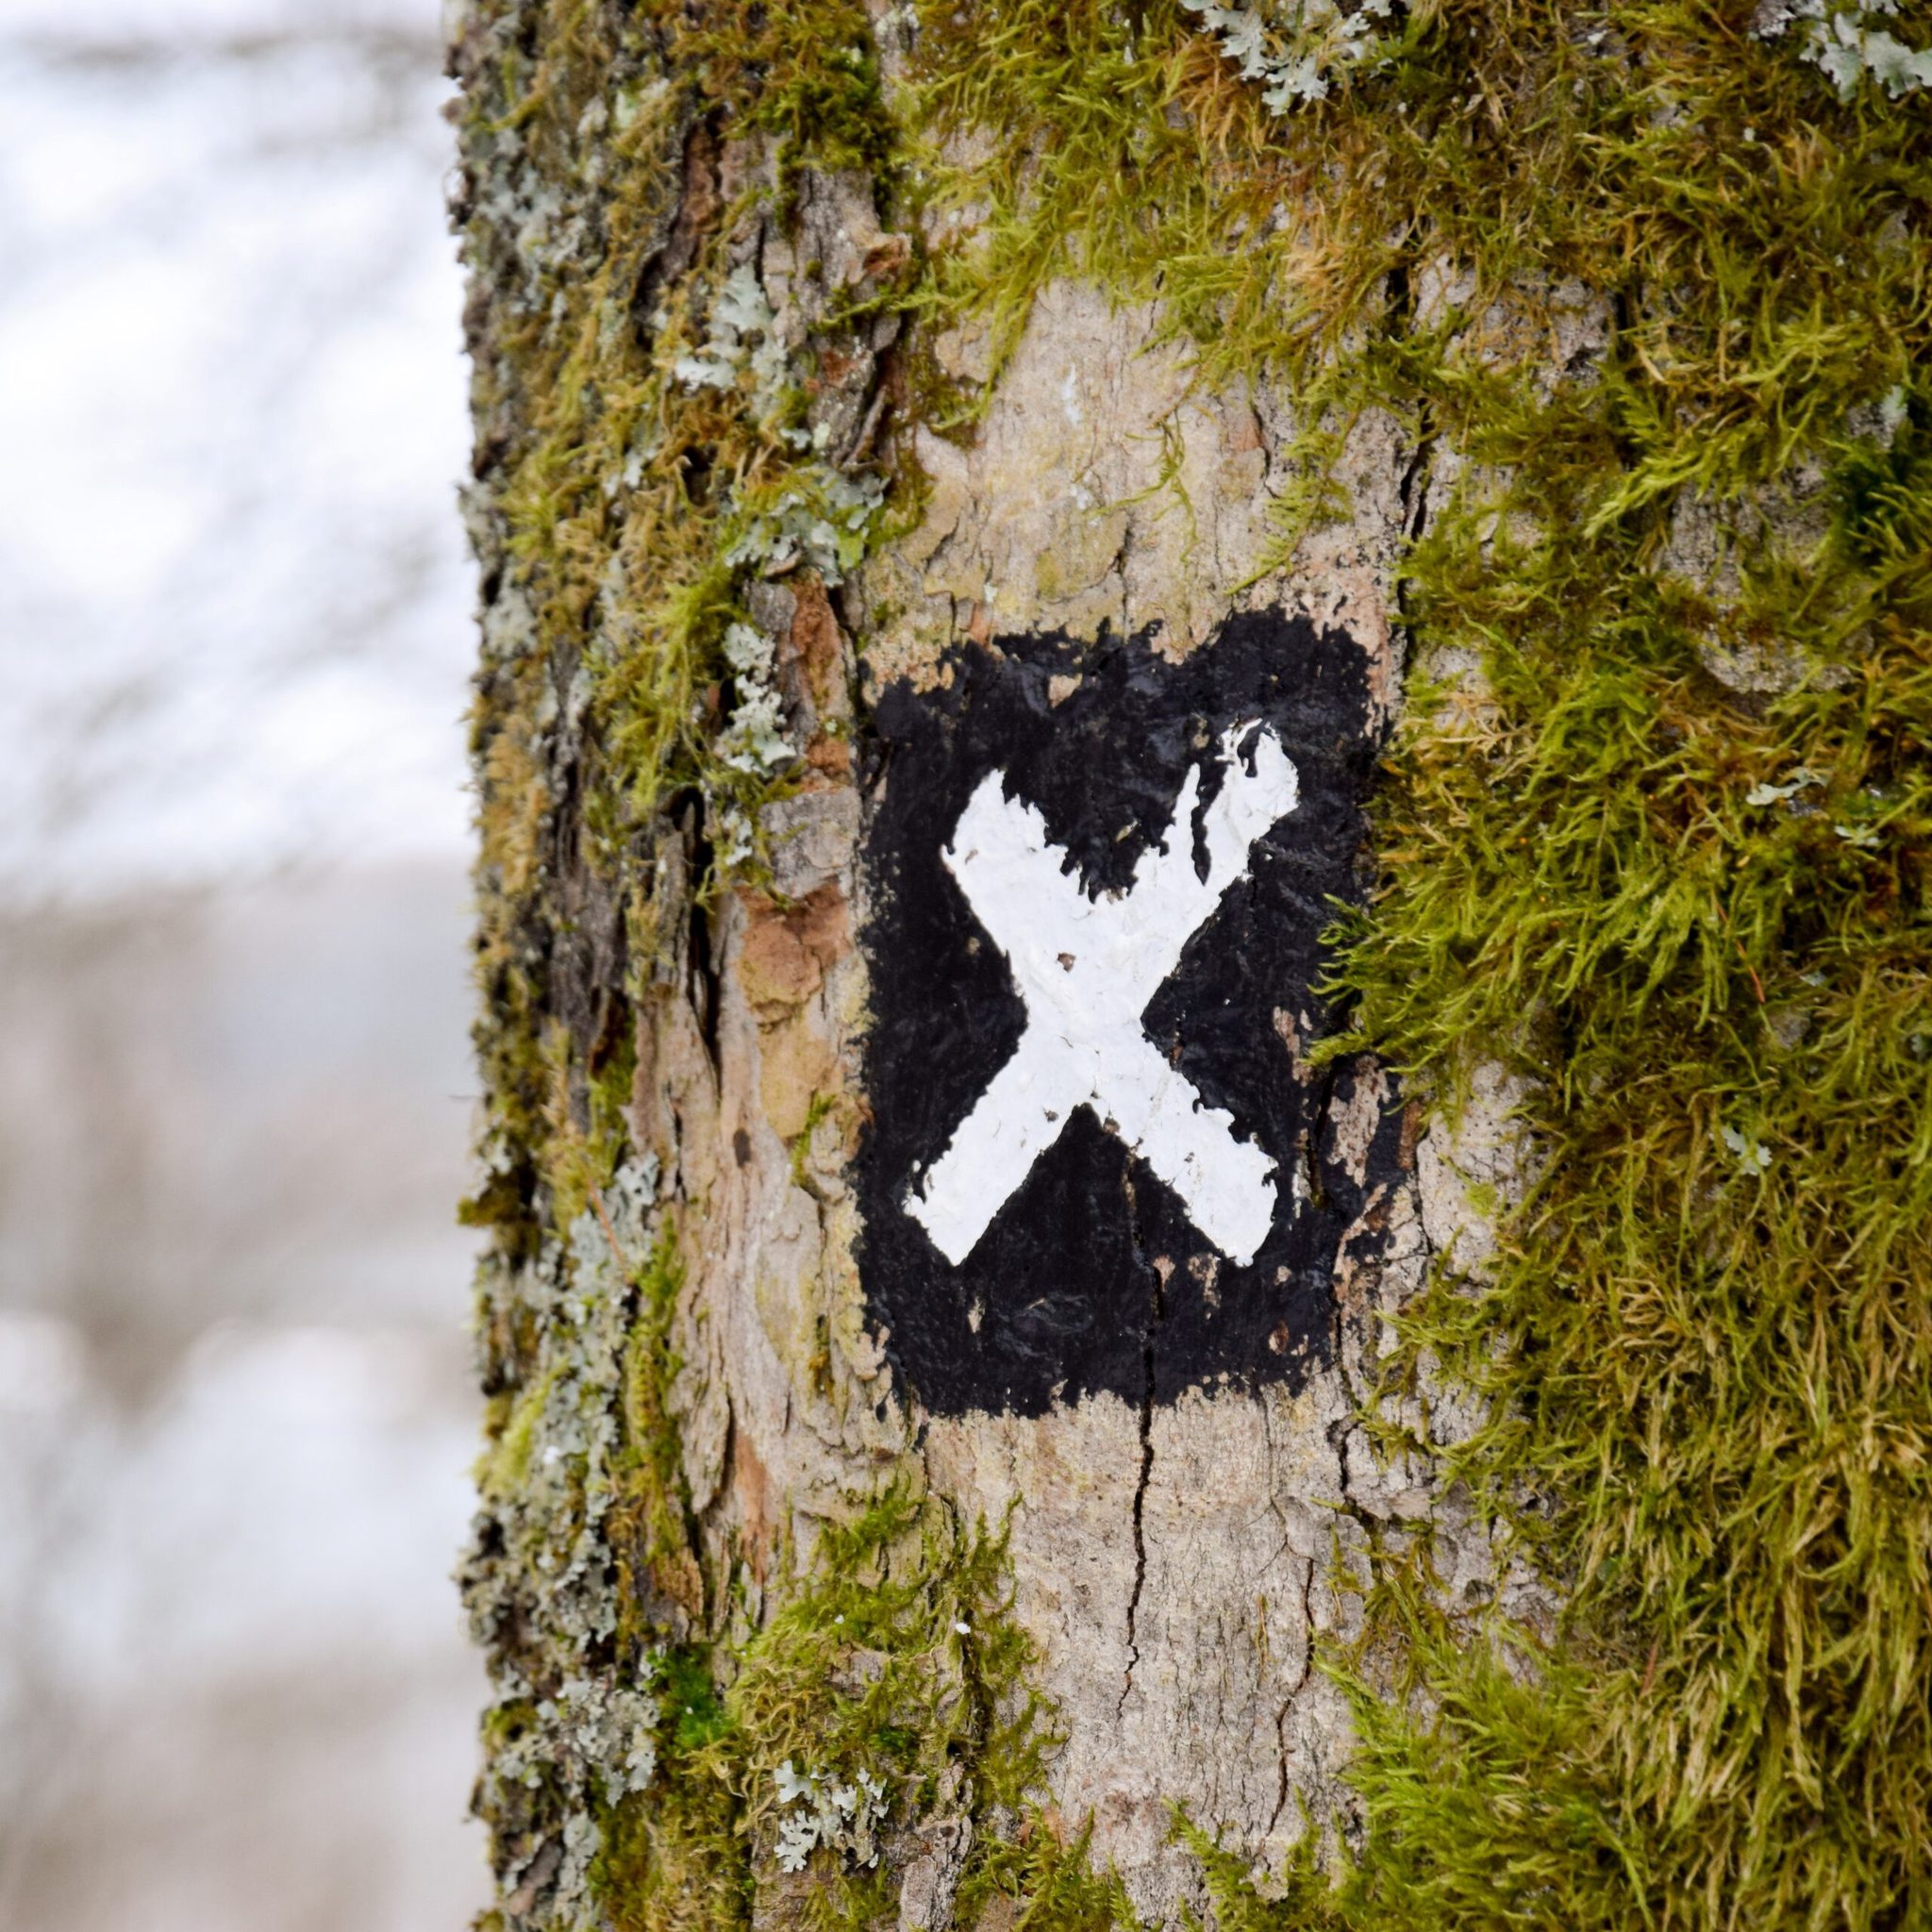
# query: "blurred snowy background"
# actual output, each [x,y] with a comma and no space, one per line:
[235,1413]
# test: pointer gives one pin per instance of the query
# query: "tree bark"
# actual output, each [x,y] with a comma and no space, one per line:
[711,1326]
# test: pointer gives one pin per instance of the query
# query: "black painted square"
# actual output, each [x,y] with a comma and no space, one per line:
[1092,1276]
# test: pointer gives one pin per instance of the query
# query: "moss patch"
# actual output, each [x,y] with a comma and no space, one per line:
[892,1661]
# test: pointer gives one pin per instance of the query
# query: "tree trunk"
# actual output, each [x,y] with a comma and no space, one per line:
[943,1236]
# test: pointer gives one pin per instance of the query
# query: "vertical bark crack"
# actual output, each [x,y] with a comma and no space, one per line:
[1156,1311]
[1412,489]
[1283,1788]
[1294,1690]
[706,985]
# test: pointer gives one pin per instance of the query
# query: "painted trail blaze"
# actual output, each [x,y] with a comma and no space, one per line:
[1087,969]
[1097,883]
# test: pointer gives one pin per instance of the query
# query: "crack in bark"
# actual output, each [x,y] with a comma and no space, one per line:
[1300,1684]
[1412,488]
[705,982]
[1319,1129]
[1156,1312]
[1294,1690]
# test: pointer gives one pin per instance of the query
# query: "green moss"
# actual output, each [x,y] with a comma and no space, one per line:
[504,1466]
[635,488]
[1715,1375]
[673,1858]
[651,1529]
[1302,1896]
[821,1108]
[893,1653]
[1045,1879]
[868,1666]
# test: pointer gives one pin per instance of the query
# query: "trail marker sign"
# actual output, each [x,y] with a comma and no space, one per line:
[1087,969]
[1099,1156]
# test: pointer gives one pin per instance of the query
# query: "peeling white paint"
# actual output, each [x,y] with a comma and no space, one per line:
[1070,396]
[1087,969]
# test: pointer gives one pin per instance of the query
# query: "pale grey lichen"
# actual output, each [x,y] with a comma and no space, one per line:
[841,1815]
[1767,793]
[742,339]
[822,519]
[600,1732]
[548,1486]
[754,737]
[1297,48]
[1838,38]
[1750,1153]
[612,1730]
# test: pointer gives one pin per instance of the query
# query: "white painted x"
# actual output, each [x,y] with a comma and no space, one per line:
[1087,969]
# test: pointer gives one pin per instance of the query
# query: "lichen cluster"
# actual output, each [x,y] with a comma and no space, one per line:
[1299,51]
[1647,291]
[1848,40]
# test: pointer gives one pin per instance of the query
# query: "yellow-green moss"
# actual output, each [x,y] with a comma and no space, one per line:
[895,1654]
[650,1523]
